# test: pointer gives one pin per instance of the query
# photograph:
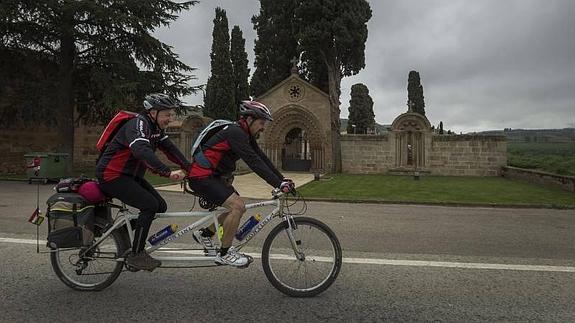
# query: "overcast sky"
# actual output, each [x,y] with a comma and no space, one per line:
[485,64]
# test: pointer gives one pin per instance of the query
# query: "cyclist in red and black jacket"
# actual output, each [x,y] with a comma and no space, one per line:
[214,164]
[121,168]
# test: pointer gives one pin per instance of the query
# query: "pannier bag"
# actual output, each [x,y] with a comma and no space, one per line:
[70,221]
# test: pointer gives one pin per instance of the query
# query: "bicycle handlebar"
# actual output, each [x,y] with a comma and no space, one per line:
[277,193]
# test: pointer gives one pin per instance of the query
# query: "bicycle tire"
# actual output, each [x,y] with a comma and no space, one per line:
[119,239]
[333,257]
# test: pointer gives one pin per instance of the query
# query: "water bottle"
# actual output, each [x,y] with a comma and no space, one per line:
[163,234]
[248,226]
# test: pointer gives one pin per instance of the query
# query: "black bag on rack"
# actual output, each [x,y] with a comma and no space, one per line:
[70,221]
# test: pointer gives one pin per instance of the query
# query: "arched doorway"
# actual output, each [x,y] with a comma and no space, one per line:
[296,154]
[296,137]
[410,131]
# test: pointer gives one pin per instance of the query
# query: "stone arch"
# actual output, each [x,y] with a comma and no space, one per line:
[287,119]
[411,131]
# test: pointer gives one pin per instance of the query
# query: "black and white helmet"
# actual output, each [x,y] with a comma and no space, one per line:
[159,101]
[255,109]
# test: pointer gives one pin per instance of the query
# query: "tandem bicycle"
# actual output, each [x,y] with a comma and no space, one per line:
[301,256]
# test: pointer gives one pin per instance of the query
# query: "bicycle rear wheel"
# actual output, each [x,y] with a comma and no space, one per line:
[95,270]
[316,266]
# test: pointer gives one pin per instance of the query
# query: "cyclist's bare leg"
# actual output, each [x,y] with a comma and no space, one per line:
[221,219]
[231,223]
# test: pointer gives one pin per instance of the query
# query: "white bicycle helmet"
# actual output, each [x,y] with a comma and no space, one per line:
[255,109]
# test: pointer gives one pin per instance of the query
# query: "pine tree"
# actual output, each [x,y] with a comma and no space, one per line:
[239,59]
[360,110]
[334,32]
[440,127]
[415,100]
[220,94]
[275,45]
[96,48]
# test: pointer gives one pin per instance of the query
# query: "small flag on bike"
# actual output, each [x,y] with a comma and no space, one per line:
[36,218]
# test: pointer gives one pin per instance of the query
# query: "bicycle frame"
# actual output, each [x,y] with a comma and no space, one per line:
[207,217]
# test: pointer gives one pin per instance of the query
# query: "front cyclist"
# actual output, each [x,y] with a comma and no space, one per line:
[213,166]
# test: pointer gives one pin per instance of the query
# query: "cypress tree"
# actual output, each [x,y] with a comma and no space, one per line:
[219,100]
[360,110]
[334,32]
[239,59]
[415,100]
[275,45]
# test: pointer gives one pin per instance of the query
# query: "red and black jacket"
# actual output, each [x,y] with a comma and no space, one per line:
[226,147]
[132,151]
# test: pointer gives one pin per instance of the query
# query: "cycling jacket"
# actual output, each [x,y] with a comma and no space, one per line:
[131,151]
[226,147]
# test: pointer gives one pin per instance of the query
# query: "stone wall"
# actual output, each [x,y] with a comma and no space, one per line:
[366,154]
[467,155]
[566,183]
[454,155]
[16,142]
[85,152]
[448,155]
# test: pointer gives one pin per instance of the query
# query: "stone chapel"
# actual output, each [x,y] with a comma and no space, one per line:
[299,140]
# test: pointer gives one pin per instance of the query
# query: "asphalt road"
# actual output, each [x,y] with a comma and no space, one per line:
[401,263]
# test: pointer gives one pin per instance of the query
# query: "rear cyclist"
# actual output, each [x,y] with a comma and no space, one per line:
[213,166]
[120,170]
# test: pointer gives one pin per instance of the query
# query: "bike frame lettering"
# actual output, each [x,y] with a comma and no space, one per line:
[207,218]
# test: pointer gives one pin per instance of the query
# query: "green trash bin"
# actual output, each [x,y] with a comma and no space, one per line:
[52,166]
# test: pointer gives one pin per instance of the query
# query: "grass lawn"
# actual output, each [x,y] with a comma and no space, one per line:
[436,189]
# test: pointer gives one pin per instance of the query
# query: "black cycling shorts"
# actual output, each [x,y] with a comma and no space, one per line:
[214,189]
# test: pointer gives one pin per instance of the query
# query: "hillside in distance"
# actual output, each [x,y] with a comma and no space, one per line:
[536,135]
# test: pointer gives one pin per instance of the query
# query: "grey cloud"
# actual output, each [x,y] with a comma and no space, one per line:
[191,34]
[484,64]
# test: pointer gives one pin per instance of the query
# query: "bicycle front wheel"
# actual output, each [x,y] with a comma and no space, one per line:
[94,270]
[309,268]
